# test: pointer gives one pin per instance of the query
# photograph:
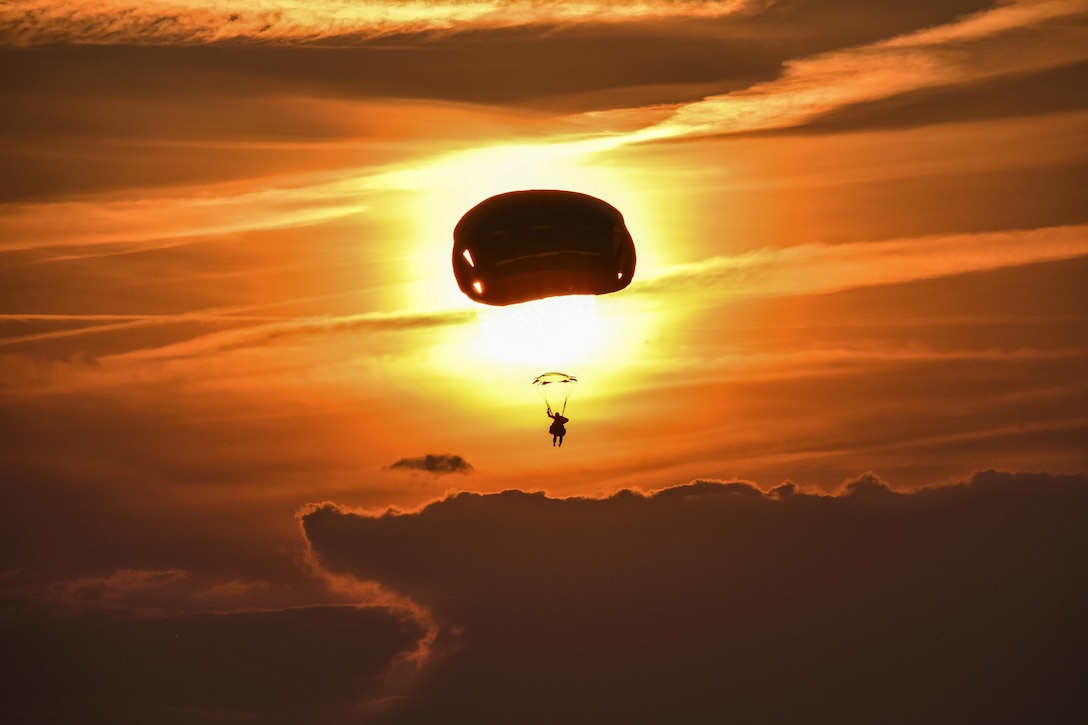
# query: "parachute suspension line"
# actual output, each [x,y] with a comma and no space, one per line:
[562,408]
[555,389]
[566,397]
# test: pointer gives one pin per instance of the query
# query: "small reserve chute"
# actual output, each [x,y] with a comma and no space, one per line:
[555,390]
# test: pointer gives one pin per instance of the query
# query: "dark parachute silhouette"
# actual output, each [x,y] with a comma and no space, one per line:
[528,245]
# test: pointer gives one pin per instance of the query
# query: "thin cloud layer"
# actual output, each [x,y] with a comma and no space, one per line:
[205,21]
[438,464]
[823,268]
[718,600]
[1011,39]
[119,589]
[157,221]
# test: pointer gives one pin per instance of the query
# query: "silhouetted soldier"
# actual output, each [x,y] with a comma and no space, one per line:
[557,428]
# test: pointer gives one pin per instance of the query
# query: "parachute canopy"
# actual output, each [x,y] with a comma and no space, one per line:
[528,245]
[555,389]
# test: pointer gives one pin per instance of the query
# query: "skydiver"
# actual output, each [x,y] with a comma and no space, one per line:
[557,428]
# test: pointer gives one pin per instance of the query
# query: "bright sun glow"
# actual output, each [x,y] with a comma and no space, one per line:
[552,333]
[444,188]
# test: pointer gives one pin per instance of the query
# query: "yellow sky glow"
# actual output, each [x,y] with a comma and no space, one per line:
[329,266]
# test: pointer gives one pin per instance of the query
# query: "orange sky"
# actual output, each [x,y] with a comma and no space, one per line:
[226,294]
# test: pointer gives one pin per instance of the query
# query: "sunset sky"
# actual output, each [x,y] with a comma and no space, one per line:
[828,452]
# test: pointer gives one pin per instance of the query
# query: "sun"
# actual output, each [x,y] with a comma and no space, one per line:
[554,333]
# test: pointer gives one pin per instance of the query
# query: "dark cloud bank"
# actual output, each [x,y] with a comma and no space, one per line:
[704,603]
[320,664]
[716,602]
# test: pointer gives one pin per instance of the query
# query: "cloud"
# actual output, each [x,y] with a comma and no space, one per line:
[438,464]
[321,664]
[239,332]
[173,22]
[1026,94]
[185,646]
[154,222]
[716,599]
[821,268]
[628,57]
[1011,39]
[260,334]
[119,588]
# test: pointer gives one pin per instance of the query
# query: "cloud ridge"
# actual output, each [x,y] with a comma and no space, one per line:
[715,597]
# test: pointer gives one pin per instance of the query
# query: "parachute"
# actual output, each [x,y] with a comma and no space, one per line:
[555,390]
[528,245]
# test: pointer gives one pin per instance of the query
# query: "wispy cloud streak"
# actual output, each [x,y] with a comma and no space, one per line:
[91,223]
[22,374]
[819,268]
[256,335]
[1015,38]
[177,22]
